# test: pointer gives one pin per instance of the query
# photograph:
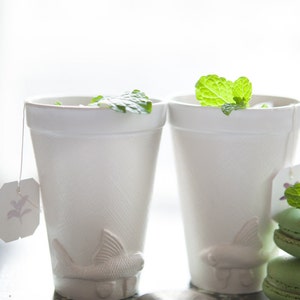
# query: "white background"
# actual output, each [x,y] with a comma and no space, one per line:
[161,47]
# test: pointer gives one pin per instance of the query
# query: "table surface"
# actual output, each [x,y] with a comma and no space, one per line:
[25,270]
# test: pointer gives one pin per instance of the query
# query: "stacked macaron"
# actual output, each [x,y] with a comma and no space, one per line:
[283,272]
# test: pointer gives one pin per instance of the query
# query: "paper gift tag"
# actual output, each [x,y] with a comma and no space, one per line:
[284,179]
[19,209]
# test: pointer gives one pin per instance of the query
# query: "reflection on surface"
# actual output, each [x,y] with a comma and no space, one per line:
[188,294]
[210,295]
[56,296]
[191,294]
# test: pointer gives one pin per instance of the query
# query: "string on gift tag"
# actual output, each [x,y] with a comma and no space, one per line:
[21,161]
[19,203]
[22,152]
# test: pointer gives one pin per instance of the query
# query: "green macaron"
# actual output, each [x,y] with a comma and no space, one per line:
[283,279]
[287,236]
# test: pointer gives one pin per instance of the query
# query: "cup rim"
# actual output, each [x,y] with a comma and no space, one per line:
[189,100]
[86,120]
[41,101]
[186,115]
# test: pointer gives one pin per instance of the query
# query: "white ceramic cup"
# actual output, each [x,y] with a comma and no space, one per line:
[96,169]
[225,167]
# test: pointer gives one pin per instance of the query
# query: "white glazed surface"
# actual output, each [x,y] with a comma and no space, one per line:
[71,118]
[96,170]
[225,168]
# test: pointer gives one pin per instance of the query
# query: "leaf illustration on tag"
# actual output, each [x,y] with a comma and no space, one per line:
[18,211]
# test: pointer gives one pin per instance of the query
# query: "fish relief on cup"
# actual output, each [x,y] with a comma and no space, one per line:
[109,264]
[243,254]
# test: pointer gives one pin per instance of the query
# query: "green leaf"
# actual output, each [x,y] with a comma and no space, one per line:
[240,101]
[228,108]
[212,90]
[292,195]
[134,102]
[58,103]
[264,105]
[96,99]
[242,90]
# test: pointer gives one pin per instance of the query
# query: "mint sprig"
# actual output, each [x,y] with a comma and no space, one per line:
[212,90]
[134,102]
[292,195]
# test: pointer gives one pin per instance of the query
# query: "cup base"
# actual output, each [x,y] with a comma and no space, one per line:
[73,289]
[222,296]
[57,296]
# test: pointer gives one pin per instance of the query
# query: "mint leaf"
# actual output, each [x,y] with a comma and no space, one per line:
[228,108]
[292,195]
[242,90]
[264,105]
[96,99]
[212,90]
[134,102]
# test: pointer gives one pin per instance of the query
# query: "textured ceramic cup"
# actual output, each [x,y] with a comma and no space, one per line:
[96,169]
[225,166]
